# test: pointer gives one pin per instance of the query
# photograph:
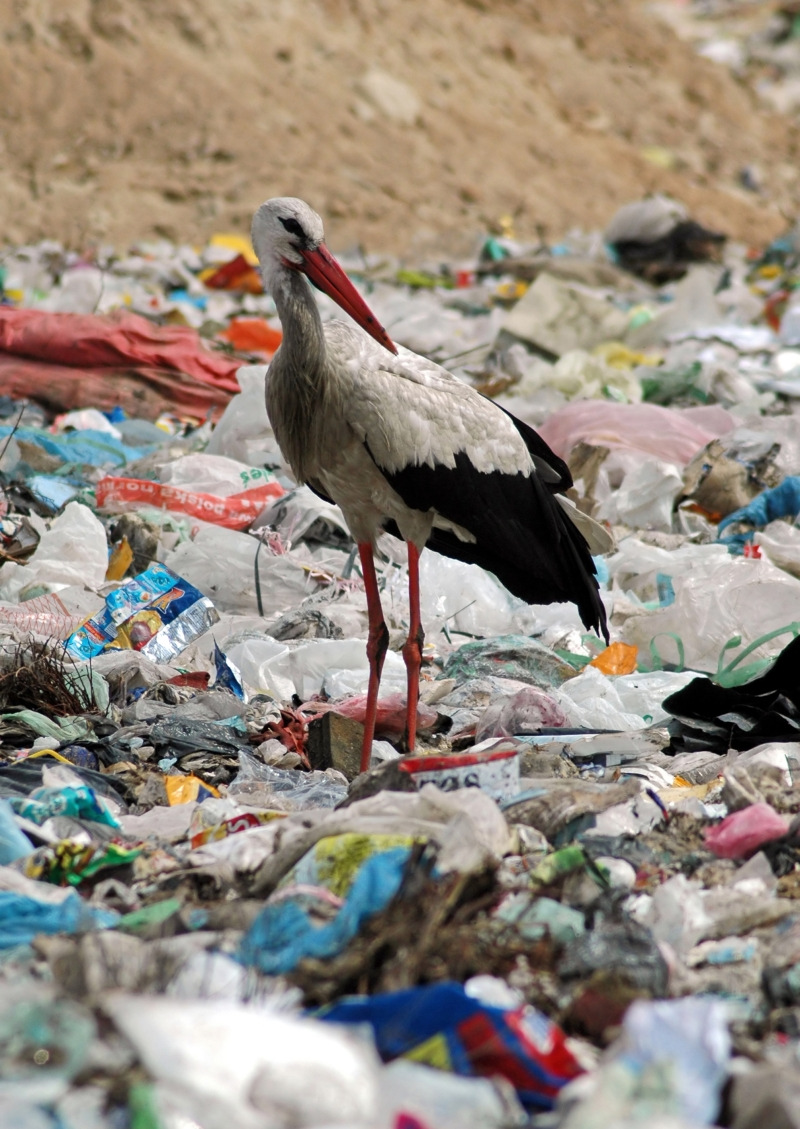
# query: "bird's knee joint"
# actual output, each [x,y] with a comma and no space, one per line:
[377,642]
[412,648]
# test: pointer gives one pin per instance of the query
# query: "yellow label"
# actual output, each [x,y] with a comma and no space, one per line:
[433,1052]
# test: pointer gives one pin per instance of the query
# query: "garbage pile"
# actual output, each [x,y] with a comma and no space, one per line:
[574,904]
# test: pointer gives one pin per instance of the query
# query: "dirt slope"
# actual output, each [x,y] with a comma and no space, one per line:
[121,119]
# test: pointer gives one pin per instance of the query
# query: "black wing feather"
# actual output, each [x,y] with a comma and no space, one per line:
[552,470]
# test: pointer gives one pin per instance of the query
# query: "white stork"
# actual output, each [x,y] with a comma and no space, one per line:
[401,444]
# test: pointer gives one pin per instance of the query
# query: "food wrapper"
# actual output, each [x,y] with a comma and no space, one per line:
[157,613]
[207,826]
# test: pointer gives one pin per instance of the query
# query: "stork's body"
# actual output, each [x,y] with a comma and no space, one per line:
[397,441]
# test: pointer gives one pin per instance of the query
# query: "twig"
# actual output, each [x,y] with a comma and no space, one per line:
[10,435]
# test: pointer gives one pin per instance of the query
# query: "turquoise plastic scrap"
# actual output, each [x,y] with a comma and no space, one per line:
[14,844]
[21,918]
[283,934]
[78,801]
[536,917]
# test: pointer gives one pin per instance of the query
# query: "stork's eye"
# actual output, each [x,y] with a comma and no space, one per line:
[293,227]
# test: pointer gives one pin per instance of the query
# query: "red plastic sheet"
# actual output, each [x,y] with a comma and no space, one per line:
[67,361]
[236,511]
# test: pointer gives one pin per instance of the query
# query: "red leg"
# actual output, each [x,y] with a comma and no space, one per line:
[377,642]
[412,648]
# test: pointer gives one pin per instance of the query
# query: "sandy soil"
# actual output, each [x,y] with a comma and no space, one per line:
[122,119]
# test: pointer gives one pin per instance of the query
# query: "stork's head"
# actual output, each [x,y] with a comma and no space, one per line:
[287,235]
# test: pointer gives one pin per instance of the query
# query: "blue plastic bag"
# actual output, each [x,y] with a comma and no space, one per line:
[283,934]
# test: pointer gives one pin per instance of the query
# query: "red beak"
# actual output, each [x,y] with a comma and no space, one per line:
[325,273]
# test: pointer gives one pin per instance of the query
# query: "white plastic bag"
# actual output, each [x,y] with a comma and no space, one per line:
[229,1065]
[780,543]
[736,598]
[461,597]
[339,667]
[298,512]
[251,658]
[72,551]
[591,701]
[221,563]
[645,498]
[636,566]
[244,432]
[205,473]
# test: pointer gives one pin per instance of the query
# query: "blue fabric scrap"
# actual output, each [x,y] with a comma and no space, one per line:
[22,918]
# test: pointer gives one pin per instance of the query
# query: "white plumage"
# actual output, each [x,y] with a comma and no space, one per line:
[400,443]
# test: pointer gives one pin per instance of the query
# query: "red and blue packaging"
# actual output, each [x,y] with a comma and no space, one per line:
[441,1025]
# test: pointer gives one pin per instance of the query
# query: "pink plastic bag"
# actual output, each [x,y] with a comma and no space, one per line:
[743,832]
[524,712]
[673,435]
[391,720]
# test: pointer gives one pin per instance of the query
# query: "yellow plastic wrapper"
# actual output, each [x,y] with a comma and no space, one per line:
[184,789]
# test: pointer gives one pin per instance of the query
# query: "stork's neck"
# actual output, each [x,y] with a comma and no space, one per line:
[303,345]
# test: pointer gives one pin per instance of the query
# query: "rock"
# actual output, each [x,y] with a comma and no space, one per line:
[394,99]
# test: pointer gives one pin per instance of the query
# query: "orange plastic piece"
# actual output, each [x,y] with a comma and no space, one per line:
[253,335]
[619,658]
[237,511]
